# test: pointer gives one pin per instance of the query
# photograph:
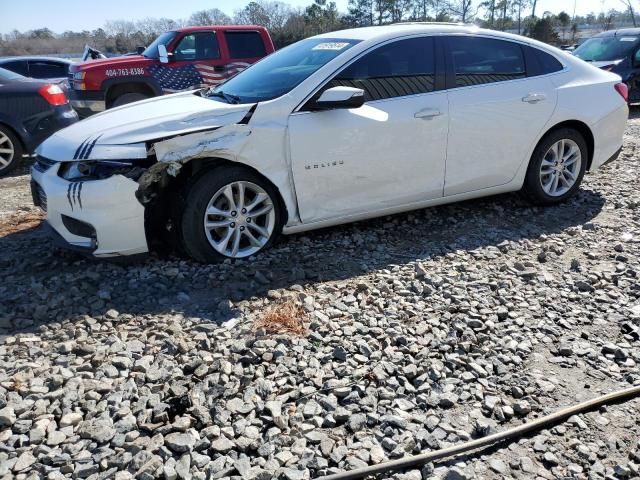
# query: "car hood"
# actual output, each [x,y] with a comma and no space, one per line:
[120,62]
[131,126]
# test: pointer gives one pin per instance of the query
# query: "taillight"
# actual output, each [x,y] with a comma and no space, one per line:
[623,90]
[53,94]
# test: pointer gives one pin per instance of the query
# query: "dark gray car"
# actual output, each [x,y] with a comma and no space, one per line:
[30,111]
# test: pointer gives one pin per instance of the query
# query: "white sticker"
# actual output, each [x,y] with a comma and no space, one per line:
[628,39]
[331,46]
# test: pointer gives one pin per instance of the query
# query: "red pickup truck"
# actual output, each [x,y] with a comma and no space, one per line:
[181,59]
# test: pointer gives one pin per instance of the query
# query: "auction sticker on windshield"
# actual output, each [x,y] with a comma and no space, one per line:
[331,46]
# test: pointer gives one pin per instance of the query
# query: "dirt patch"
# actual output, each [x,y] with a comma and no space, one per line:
[20,222]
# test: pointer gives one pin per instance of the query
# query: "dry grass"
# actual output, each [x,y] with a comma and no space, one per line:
[286,318]
[19,222]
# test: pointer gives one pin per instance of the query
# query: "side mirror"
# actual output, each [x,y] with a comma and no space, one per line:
[340,97]
[140,50]
[163,56]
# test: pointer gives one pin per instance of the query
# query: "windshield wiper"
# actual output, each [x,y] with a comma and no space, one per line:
[227,97]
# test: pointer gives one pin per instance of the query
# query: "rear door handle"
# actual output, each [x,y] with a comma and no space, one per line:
[428,113]
[534,98]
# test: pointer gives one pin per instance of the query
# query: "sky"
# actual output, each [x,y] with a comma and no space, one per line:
[61,15]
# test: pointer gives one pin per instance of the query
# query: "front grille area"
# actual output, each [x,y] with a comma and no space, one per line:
[38,195]
[43,164]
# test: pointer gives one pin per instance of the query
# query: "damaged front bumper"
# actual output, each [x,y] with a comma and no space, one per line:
[100,217]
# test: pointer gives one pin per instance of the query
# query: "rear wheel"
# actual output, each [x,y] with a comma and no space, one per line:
[128,98]
[230,213]
[10,150]
[556,168]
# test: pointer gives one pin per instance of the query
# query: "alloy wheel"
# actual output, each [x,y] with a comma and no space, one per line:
[239,219]
[560,167]
[7,151]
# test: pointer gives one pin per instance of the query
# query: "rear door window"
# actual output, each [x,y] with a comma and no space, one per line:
[45,69]
[197,46]
[479,60]
[245,45]
[540,63]
[405,67]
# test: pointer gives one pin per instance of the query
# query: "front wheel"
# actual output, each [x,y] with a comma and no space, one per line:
[230,213]
[556,168]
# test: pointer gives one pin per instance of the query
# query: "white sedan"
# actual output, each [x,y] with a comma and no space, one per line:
[335,128]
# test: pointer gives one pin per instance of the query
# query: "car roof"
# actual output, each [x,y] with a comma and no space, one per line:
[34,59]
[388,32]
[219,27]
[622,31]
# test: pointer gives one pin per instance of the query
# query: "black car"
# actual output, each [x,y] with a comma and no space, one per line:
[617,51]
[47,68]
[30,111]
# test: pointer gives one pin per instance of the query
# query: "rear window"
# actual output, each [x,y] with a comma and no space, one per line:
[17,66]
[44,69]
[8,75]
[480,60]
[245,44]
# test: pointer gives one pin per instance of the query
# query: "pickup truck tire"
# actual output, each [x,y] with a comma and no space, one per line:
[128,98]
[231,212]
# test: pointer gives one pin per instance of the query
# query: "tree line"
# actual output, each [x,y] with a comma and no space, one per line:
[288,24]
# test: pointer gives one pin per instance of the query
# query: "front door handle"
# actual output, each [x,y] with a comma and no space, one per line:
[534,98]
[428,113]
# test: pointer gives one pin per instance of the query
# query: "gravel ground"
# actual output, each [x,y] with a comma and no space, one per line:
[423,330]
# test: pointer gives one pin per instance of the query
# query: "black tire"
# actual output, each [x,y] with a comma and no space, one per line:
[193,238]
[128,98]
[532,188]
[10,141]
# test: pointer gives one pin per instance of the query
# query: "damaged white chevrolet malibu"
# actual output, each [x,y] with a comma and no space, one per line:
[335,128]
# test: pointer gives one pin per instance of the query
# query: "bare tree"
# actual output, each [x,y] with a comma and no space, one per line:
[150,28]
[461,9]
[606,20]
[520,6]
[629,5]
[213,16]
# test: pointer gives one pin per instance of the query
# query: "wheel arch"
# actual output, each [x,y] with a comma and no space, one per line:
[114,88]
[167,196]
[21,139]
[164,184]
[199,166]
[581,128]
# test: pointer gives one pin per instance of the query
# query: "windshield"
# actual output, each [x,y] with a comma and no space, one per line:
[165,39]
[280,72]
[8,75]
[604,49]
